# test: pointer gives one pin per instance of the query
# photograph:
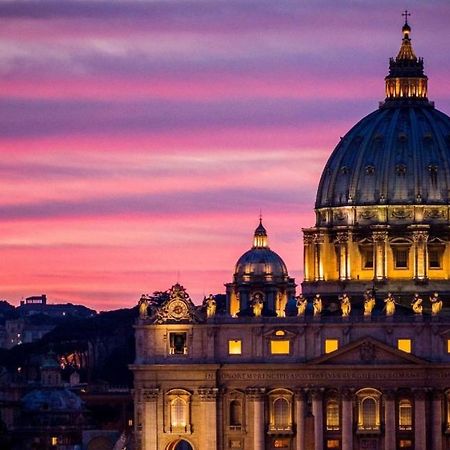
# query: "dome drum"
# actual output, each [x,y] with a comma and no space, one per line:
[383,201]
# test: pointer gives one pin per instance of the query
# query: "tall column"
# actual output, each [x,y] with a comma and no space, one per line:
[420,238]
[308,257]
[380,243]
[317,410]
[347,420]
[150,428]
[208,399]
[300,419]
[389,421]
[318,263]
[436,424]
[420,430]
[256,395]
[341,242]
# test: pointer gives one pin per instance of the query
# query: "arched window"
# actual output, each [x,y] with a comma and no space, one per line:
[332,415]
[281,411]
[405,415]
[235,414]
[368,410]
[178,414]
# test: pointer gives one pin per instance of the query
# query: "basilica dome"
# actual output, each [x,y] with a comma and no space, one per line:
[260,261]
[397,155]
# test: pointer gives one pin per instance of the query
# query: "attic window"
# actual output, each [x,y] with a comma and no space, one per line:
[178,343]
[405,345]
[331,345]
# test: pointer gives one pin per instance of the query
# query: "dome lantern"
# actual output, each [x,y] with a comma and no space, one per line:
[406,79]
[260,237]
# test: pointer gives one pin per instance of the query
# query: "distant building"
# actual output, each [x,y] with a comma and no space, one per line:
[360,360]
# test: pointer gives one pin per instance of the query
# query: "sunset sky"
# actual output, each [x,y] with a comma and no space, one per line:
[140,140]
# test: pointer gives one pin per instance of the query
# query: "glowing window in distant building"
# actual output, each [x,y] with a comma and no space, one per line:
[404,345]
[279,333]
[332,414]
[333,443]
[369,413]
[235,347]
[54,440]
[405,417]
[279,347]
[448,345]
[331,345]
[405,443]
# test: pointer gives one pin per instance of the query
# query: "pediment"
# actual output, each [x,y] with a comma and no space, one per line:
[368,351]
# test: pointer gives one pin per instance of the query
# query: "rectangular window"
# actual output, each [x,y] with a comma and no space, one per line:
[435,257]
[331,345]
[405,345]
[401,255]
[448,345]
[235,347]
[405,443]
[279,347]
[367,257]
[280,443]
[332,443]
[178,343]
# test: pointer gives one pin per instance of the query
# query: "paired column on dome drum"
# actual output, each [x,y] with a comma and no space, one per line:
[380,246]
[420,238]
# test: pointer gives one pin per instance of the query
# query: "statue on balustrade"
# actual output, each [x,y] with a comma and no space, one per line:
[280,304]
[211,306]
[390,305]
[317,305]
[346,305]
[416,304]
[257,304]
[369,303]
[436,304]
[143,306]
[301,304]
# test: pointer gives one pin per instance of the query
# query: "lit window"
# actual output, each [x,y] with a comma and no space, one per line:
[279,347]
[280,443]
[405,415]
[279,333]
[332,415]
[401,255]
[54,440]
[404,345]
[333,443]
[235,347]
[235,414]
[448,345]
[368,410]
[178,414]
[405,443]
[331,345]
[178,343]
[281,413]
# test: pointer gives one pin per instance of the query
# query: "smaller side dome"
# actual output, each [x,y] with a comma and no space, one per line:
[260,261]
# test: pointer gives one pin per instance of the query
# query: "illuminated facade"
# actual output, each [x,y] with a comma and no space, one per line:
[266,369]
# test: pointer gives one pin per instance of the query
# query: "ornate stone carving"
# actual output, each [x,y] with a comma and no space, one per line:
[308,239]
[420,236]
[434,213]
[367,214]
[401,213]
[380,236]
[208,394]
[178,308]
[339,215]
[367,352]
[342,237]
[150,395]
[318,238]
[255,393]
